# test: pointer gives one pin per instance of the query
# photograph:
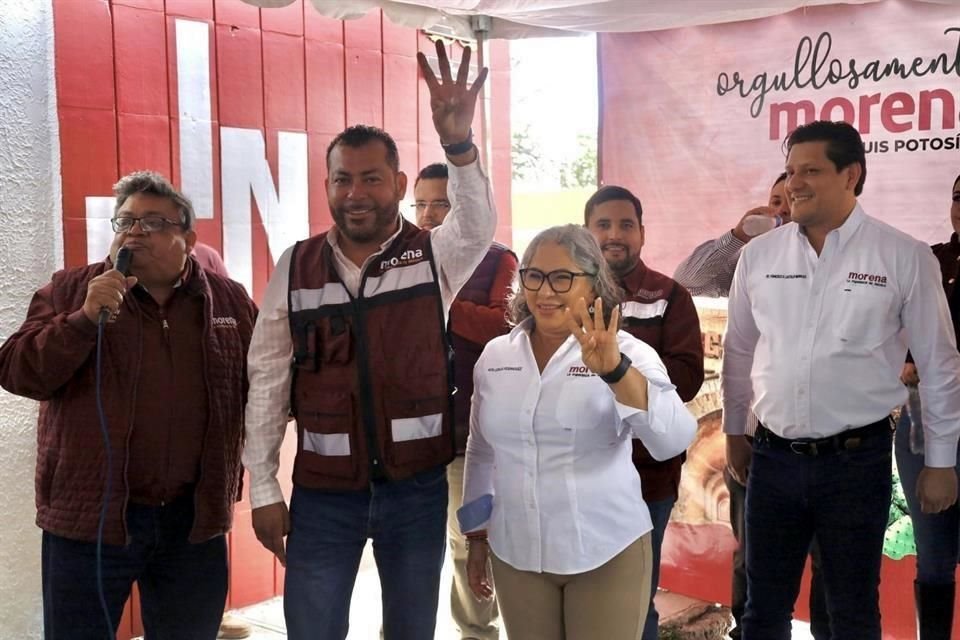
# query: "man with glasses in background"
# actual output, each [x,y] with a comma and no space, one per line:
[477,316]
[659,311]
[171,374]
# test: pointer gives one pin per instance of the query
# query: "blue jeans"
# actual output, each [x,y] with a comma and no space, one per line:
[183,586]
[842,498]
[937,534]
[660,514]
[328,529]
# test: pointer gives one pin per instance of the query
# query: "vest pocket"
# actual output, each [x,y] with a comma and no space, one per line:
[416,430]
[336,341]
[326,438]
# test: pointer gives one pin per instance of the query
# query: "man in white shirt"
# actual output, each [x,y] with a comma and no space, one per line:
[814,346]
[351,341]
[708,271]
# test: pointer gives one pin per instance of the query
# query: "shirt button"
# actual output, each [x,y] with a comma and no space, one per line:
[951,280]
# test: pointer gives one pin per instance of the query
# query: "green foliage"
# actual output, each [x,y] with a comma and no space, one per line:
[526,155]
[581,171]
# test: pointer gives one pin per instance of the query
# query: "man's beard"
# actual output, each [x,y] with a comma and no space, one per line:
[384,218]
[624,265]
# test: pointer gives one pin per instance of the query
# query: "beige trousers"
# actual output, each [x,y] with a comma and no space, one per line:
[609,602]
[476,619]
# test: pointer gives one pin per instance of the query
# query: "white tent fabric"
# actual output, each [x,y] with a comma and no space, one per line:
[527,18]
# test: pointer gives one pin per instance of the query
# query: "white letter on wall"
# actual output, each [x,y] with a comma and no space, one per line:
[99,210]
[193,115]
[284,212]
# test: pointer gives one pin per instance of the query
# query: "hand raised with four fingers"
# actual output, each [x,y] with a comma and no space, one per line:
[599,348]
[451,101]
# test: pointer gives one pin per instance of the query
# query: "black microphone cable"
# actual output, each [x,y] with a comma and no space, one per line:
[123,266]
[107,489]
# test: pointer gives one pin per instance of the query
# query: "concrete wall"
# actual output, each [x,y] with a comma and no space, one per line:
[31,248]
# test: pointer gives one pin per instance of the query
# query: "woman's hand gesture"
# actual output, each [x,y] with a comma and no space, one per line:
[599,348]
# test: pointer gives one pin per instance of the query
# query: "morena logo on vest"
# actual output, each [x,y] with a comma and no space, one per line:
[409,256]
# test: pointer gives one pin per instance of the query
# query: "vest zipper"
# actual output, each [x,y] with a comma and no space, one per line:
[377,472]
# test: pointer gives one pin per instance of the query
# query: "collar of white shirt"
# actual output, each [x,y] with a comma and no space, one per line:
[846,230]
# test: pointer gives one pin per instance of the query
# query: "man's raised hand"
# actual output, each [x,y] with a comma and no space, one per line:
[451,101]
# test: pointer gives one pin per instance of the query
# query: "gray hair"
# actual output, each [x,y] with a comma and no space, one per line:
[585,253]
[154,184]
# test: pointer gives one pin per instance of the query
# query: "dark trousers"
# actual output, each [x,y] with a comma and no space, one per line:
[843,499]
[819,617]
[183,586]
[328,530]
[937,534]
[660,515]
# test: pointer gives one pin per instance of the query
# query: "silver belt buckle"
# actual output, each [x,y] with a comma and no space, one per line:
[804,448]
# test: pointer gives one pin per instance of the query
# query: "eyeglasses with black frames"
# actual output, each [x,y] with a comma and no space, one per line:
[148,224]
[561,280]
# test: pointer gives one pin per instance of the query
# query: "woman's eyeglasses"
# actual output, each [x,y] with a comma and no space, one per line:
[561,280]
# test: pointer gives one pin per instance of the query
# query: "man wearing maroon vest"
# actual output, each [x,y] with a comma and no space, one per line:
[138,482]
[352,343]
[477,316]
[660,312]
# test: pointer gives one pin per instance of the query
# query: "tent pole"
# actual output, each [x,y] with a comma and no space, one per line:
[481,26]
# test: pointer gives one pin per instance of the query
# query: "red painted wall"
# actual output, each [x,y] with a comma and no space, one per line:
[285,69]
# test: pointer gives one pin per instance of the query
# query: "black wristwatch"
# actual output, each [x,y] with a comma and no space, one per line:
[619,371]
[458,148]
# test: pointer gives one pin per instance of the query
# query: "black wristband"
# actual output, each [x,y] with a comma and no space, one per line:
[458,148]
[618,372]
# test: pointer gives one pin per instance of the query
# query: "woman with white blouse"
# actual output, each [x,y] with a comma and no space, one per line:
[551,496]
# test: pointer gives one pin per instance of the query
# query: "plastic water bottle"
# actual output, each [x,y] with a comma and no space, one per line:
[757,223]
[916,420]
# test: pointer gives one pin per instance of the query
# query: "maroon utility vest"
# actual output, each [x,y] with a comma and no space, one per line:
[466,353]
[372,374]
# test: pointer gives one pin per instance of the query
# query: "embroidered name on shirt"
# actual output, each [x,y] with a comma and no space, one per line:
[870,279]
[646,293]
[787,276]
[499,369]
[407,257]
[224,322]
[579,372]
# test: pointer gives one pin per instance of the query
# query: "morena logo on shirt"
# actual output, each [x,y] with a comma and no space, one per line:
[407,257]
[872,279]
[579,371]
[224,322]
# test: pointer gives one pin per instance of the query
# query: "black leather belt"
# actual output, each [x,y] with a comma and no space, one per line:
[843,441]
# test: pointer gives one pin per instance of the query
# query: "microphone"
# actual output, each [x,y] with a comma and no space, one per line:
[124,255]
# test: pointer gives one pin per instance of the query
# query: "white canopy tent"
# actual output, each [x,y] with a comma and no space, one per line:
[530,18]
